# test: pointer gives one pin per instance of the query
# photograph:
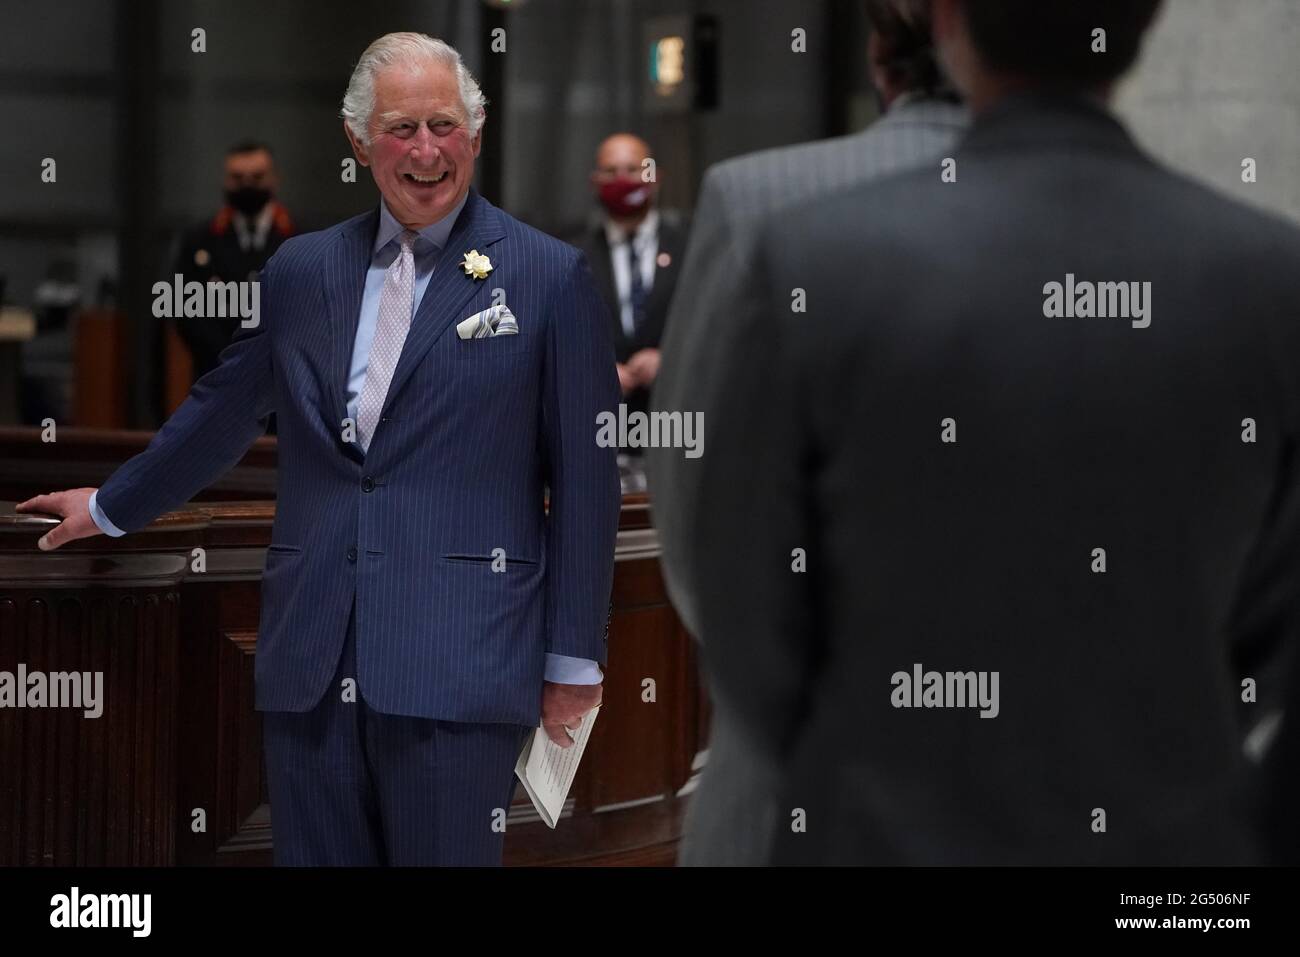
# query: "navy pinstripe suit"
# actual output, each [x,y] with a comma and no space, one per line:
[394,547]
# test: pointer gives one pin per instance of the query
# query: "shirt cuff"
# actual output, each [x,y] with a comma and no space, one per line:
[100,519]
[566,670]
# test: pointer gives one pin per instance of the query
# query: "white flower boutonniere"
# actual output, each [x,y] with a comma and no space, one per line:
[476,264]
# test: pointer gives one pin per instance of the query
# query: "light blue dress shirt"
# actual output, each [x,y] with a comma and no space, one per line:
[563,669]
[428,245]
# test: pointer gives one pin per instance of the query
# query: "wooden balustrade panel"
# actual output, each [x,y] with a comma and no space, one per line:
[78,788]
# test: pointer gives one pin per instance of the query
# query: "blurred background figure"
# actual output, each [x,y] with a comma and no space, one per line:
[45,370]
[922,119]
[957,574]
[634,249]
[233,245]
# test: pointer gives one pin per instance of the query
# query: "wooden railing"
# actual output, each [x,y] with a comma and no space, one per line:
[171,772]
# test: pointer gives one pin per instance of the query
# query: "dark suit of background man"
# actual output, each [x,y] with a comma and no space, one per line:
[233,246]
[635,253]
[731,812]
[411,552]
[1115,739]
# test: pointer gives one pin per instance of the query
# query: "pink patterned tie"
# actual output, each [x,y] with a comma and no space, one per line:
[396,303]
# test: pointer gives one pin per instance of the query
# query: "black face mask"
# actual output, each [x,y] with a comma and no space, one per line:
[248,200]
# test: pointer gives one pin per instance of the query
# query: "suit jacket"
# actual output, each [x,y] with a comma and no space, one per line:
[1115,739]
[731,812]
[472,433]
[672,241]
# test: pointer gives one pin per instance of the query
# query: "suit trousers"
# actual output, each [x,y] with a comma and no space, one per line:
[353,787]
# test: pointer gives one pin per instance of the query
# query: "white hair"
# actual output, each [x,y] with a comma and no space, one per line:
[408,49]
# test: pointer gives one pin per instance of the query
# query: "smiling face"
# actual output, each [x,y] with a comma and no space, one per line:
[421,151]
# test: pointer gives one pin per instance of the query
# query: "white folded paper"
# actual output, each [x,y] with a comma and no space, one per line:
[547,770]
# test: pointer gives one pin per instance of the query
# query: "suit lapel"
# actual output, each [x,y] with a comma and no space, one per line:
[665,278]
[602,270]
[478,227]
[345,284]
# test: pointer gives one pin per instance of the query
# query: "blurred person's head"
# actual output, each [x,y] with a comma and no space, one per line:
[900,52]
[414,114]
[994,47]
[621,179]
[249,179]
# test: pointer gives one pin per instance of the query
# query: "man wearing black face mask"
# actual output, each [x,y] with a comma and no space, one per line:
[635,251]
[232,246]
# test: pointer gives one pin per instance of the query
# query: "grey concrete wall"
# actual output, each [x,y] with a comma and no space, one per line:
[1219,81]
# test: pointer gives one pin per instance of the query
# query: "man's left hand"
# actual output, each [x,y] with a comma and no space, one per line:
[644,365]
[563,707]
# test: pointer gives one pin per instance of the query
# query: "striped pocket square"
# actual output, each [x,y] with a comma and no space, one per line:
[492,321]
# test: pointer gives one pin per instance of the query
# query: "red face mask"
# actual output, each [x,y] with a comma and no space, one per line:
[624,197]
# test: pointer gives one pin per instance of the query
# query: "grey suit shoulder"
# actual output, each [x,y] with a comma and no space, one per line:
[755,185]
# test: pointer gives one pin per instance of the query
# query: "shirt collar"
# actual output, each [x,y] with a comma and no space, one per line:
[436,233]
[261,220]
[615,235]
[904,98]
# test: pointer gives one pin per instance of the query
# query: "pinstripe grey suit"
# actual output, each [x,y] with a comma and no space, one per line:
[729,817]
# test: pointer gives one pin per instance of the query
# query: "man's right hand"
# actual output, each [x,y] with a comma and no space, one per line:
[73,506]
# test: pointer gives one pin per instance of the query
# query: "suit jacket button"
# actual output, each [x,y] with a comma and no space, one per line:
[352,554]
[367,484]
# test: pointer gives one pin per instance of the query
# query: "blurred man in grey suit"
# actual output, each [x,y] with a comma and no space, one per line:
[921,121]
[999,511]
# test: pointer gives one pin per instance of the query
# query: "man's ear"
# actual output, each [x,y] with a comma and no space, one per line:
[477,142]
[952,46]
[944,16]
[358,148]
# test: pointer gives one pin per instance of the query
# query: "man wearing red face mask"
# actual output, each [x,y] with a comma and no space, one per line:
[634,250]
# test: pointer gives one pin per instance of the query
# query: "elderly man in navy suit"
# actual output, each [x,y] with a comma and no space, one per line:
[436,368]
